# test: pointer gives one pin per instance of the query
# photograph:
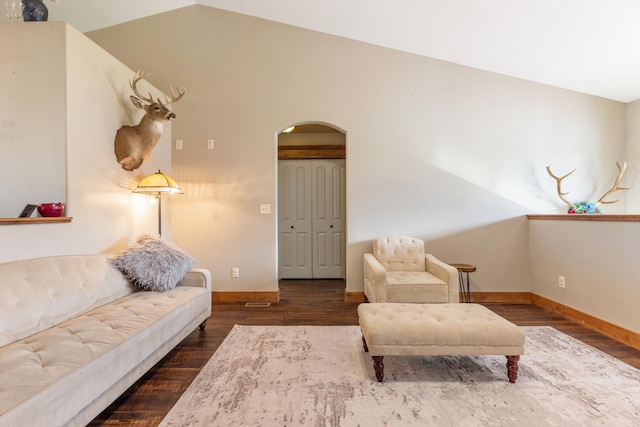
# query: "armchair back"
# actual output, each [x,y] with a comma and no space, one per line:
[400,253]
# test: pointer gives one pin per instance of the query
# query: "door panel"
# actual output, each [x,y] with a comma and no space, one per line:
[294,220]
[328,218]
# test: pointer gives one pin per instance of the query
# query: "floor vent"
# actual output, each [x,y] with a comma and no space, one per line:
[257,304]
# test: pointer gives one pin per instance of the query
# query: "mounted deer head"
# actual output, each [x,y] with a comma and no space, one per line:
[616,186]
[133,144]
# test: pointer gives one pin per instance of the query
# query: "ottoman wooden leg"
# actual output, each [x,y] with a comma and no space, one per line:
[378,366]
[512,368]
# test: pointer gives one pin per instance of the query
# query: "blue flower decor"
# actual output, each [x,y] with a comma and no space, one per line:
[585,208]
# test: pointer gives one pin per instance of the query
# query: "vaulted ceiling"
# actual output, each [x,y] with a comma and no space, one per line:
[590,46]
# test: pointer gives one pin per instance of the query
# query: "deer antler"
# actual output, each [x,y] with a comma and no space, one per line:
[139,76]
[616,184]
[559,187]
[174,96]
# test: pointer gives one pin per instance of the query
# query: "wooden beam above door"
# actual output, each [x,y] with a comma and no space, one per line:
[289,152]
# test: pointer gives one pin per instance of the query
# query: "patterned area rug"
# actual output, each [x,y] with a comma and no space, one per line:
[320,376]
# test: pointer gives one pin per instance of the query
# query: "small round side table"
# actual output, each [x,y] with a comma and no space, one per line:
[465,294]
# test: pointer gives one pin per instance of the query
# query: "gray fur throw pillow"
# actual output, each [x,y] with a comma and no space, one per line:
[153,264]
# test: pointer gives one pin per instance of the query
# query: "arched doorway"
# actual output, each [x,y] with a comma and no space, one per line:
[311,202]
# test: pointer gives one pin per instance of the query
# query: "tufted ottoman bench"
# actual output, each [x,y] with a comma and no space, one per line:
[393,329]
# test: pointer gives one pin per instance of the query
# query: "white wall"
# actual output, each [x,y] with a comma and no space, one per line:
[597,260]
[94,100]
[32,124]
[633,156]
[450,154]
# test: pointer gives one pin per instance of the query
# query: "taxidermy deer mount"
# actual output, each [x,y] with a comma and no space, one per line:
[585,207]
[133,144]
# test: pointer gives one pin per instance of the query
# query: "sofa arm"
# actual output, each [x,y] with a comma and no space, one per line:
[375,279]
[446,273]
[197,277]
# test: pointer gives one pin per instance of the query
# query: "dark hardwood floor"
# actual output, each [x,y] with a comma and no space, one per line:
[313,302]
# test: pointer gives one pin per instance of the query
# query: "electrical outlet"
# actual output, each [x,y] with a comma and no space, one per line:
[235,272]
[210,144]
[265,209]
[178,144]
[561,282]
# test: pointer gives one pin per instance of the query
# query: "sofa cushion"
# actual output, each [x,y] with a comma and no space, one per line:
[154,264]
[37,294]
[91,352]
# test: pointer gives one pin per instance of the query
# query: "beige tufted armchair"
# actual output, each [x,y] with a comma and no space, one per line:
[398,270]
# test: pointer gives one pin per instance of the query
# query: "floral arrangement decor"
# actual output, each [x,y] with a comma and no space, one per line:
[585,208]
[588,207]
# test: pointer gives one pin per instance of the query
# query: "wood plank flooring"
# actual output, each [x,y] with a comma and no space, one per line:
[312,302]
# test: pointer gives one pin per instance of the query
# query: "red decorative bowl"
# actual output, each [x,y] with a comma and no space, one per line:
[51,209]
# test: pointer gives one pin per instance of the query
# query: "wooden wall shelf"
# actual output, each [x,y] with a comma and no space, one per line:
[587,217]
[39,220]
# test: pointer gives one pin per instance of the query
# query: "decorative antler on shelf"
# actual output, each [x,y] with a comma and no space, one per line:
[616,185]
[559,187]
[585,207]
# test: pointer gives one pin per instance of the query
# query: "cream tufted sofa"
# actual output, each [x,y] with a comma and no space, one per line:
[399,270]
[75,334]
